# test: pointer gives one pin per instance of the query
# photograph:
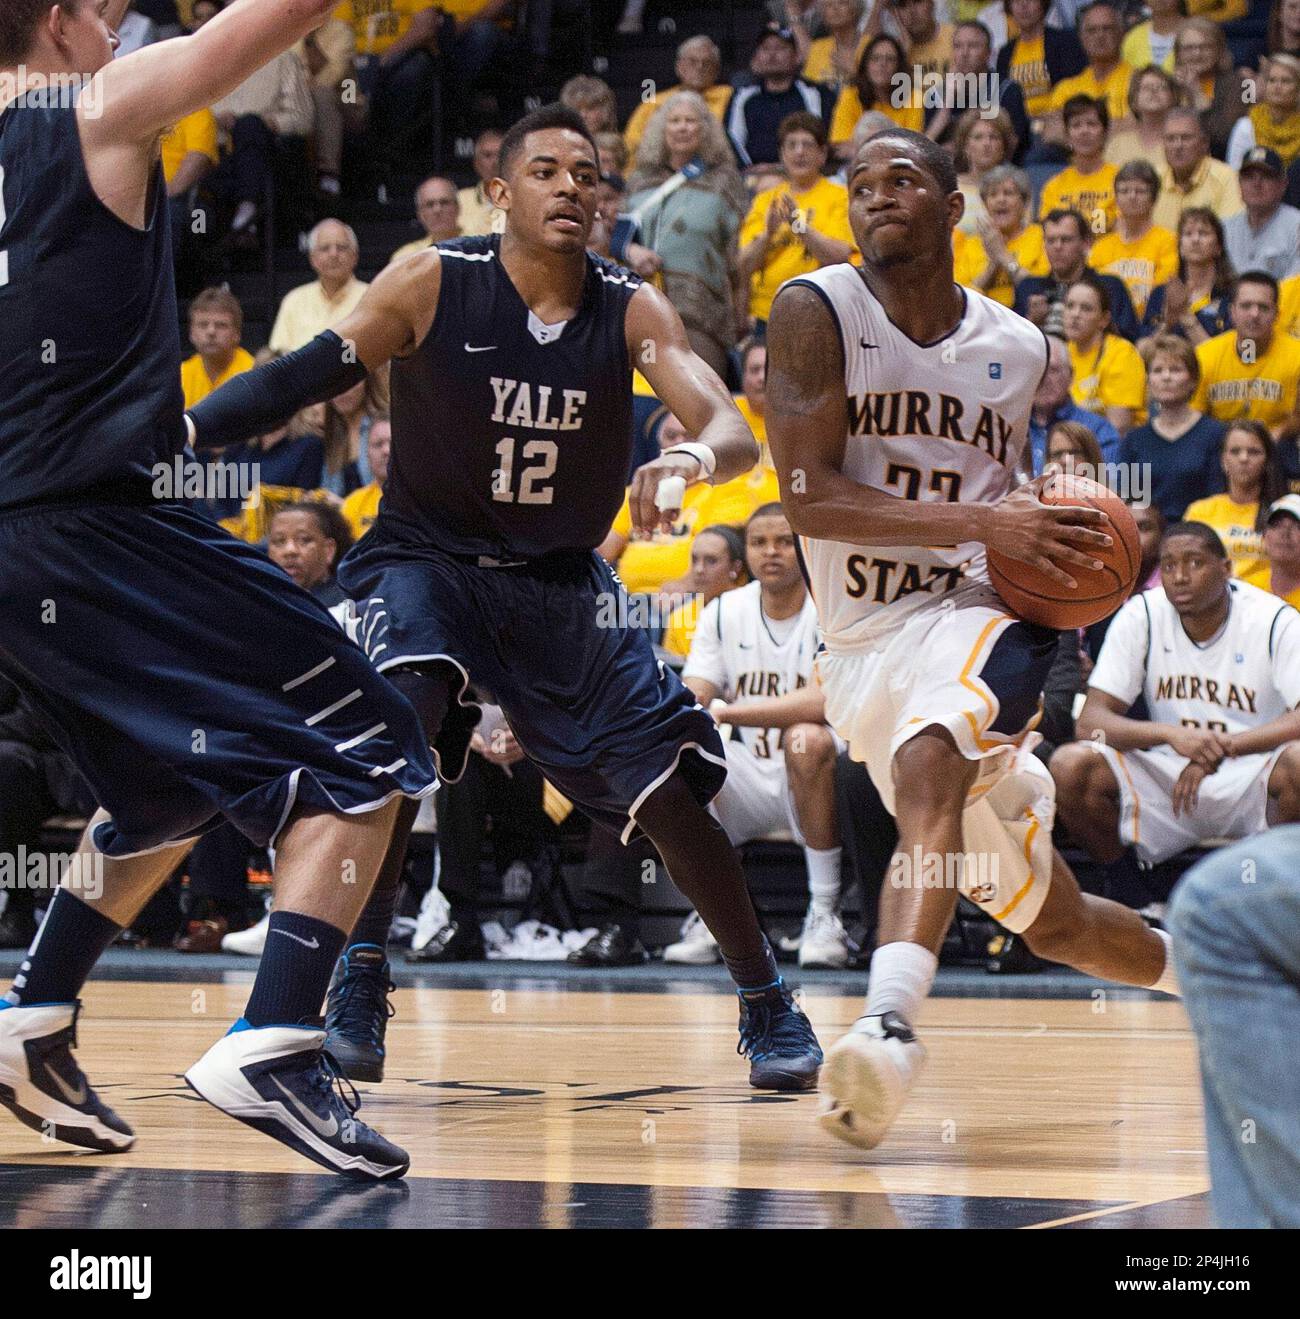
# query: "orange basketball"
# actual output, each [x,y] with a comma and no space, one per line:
[1037,599]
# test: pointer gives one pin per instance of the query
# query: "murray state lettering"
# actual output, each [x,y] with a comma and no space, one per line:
[511,442]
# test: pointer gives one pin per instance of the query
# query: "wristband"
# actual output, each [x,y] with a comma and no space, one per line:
[707,459]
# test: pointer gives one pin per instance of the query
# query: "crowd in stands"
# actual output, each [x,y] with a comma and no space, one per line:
[1131,174]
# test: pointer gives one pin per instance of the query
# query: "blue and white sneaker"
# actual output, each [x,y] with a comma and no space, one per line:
[41,1084]
[357,1012]
[777,1039]
[280,1080]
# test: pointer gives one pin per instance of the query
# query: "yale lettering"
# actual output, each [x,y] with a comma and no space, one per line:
[535,414]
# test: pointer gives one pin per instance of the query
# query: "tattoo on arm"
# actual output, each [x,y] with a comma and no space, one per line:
[804,356]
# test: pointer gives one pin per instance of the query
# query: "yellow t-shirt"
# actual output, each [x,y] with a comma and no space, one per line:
[818,68]
[824,207]
[196,132]
[1029,69]
[717,98]
[378,23]
[196,383]
[970,260]
[755,423]
[935,55]
[680,629]
[1125,146]
[361,508]
[1093,194]
[1113,89]
[1136,50]
[1288,306]
[406,249]
[848,110]
[1264,580]
[1263,390]
[1109,376]
[1213,184]
[306,311]
[1142,264]
[646,565]
[1235,524]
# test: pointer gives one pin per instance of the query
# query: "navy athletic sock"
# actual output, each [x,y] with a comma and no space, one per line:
[754,972]
[64,952]
[295,971]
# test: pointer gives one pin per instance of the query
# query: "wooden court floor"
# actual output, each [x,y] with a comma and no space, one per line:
[570,1107]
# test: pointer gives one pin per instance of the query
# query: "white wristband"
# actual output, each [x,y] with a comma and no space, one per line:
[707,459]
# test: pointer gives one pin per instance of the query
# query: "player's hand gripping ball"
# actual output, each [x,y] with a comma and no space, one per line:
[1036,598]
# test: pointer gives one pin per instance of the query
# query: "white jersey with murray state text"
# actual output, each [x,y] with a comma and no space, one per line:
[748,656]
[1245,676]
[947,421]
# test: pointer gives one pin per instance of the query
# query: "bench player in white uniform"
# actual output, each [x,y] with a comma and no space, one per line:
[898,408]
[1218,664]
[751,664]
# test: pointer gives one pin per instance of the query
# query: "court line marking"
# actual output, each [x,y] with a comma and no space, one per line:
[1102,1213]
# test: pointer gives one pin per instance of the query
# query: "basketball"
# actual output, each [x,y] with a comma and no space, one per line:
[1032,595]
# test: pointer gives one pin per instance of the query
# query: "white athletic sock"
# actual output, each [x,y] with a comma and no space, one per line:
[1168,982]
[823,877]
[901,976]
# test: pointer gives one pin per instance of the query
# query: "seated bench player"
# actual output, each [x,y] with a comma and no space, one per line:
[1218,662]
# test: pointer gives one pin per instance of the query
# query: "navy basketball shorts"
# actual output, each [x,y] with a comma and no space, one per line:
[585,696]
[190,679]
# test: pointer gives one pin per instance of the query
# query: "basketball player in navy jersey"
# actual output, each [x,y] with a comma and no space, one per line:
[901,402]
[189,678]
[511,402]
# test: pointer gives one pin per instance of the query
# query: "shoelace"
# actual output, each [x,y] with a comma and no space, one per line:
[328,1081]
[361,1001]
[756,1032]
[764,1033]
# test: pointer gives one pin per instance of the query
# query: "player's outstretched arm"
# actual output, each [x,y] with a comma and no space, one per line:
[1103,719]
[390,320]
[805,706]
[694,394]
[147,91]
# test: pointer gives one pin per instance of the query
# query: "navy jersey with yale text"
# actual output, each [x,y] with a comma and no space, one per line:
[511,438]
[89,342]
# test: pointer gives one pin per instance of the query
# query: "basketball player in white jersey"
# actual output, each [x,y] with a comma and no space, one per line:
[751,665]
[898,408]
[1218,664]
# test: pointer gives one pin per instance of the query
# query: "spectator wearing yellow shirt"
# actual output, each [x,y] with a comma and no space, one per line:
[1109,377]
[361,507]
[1039,56]
[216,322]
[1288,306]
[1140,253]
[661,563]
[189,154]
[717,565]
[1088,184]
[753,393]
[1190,177]
[699,69]
[873,88]
[1152,93]
[312,308]
[929,42]
[1007,250]
[833,59]
[798,226]
[1251,371]
[437,208]
[1106,78]
[1282,551]
[1152,42]
[1255,482]
[478,216]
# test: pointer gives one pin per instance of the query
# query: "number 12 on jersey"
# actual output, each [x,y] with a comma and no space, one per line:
[530,490]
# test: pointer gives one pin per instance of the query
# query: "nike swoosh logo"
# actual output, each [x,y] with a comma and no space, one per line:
[326,1129]
[313,943]
[490,348]
[75,1097]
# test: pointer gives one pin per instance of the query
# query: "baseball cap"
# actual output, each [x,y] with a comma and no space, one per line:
[775,29]
[1262,158]
[1287,504]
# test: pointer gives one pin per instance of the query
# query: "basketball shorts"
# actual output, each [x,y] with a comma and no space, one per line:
[965,665]
[583,693]
[191,680]
[1232,802]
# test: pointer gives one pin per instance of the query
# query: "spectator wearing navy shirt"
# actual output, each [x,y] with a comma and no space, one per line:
[757,110]
[1177,451]
[1052,403]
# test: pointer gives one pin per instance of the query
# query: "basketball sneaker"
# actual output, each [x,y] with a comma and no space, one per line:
[41,1084]
[357,1011]
[777,1039]
[824,944]
[866,1078]
[281,1081]
[696,947]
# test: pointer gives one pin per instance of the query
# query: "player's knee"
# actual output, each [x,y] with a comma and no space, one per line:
[809,750]
[931,774]
[1284,782]
[1072,765]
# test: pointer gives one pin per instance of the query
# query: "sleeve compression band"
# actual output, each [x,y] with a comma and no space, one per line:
[257,401]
